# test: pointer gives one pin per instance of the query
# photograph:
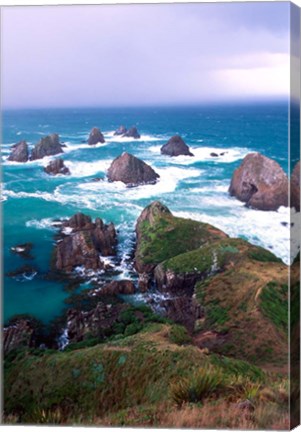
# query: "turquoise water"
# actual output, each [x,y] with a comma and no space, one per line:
[191,187]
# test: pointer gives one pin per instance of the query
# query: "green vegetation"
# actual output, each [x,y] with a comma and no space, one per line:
[179,335]
[274,304]
[260,254]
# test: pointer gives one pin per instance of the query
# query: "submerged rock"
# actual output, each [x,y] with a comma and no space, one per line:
[132,133]
[19,153]
[48,146]
[175,146]
[295,187]
[260,182]
[24,250]
[83,242]
[56,167]
[131,171]
[95,137]
[121,130]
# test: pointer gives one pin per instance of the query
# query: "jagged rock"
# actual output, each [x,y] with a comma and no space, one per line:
[121,130]
[17,335]
[132,133]
[48,146]
[23,250]
[260,182]
[95,321]
[57,166]
[131,171]
[19,153]
[182,310]
[175,146]
[144,281]
[295,187]
[95,137]
[83,242]
[117,287]
[26,271]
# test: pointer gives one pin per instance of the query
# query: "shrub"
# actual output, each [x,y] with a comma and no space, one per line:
[179,335]
[195,388]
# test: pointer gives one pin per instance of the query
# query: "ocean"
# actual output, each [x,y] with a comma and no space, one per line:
[192,187]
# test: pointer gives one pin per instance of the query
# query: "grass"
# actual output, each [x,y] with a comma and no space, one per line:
[274,304]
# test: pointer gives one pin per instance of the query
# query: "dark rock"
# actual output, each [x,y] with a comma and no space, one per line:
[144,281]
[19,152]
[26,271]
[131,171]
[95,322]
[132,133]
[223,153]
[17,335]
[121,130]
[260,182]
[56,167]
[175,146]
[85,242]
[182,310]
[97,179]
[48,146]
[117,287]
[23,250]
[95,137]
[295,187]
[213,154]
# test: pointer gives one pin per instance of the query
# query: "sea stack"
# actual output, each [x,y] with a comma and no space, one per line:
[48,146]
[260,182]
[120,131]
[176,146]
[56,167]
[19,152]
[132,133]
[131,171]
[95,137]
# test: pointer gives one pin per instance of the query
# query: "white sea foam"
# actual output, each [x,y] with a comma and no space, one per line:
[110,137]
[85,169]
[267,229]
[46,223]
[202,154]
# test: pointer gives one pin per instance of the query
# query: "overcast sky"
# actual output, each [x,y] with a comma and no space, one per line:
[144,54]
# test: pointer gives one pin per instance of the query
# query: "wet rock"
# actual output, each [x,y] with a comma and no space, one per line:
[95,137]
[131,171]
[48,146]
[144,282]
[121,130]
[56,167]
[295,187]
[118,287]
[260,182]
[26,271]
[176,146]
[132,133]
[20,152]
[83,242]
[23,250]
[213,154]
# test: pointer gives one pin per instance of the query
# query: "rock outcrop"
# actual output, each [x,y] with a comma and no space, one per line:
[19,153]
[23,250]
[175,146]
[83,243]
[48,146]
[116,287]
[132,133]
[95,137]
[121,130]
[131,171]
[260,182]
[17,336]
[56,167]
[295,187]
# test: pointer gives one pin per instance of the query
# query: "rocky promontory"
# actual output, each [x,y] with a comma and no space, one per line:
[48,146]
[56,167]
[83,243]
[131,171]
[295,187]
[260,182]
[176,146]
[19,153]
[95,137]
